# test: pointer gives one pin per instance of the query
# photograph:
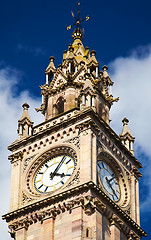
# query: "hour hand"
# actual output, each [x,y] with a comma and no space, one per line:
[52,174]
[60,174]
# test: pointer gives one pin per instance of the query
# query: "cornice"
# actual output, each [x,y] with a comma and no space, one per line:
[92,199]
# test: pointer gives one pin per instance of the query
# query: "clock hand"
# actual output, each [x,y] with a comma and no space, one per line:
[52,174]
[108,182]
[111,179]
[60,174]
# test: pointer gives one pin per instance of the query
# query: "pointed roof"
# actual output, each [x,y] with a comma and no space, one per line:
[25,115]
[126,133]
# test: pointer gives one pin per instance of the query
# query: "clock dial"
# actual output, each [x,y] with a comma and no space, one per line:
[109,181]
[54,173]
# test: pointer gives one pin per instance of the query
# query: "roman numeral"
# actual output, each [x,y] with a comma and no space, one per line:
[68,174]
[62,182]
[46,189]
[40,173]
[68,161]
[40,186]
[46,166]
[99,166]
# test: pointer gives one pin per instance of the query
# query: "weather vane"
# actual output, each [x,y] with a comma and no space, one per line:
[78,19]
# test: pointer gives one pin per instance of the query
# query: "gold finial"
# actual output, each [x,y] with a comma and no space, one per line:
[78,22]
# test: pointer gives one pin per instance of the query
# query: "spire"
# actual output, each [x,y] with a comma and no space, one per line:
[24,123]
[126,136]
[78,32]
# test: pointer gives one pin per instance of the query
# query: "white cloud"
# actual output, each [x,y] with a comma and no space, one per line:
[132,78]
[10,112]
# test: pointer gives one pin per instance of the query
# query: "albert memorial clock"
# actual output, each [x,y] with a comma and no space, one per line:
[72,176]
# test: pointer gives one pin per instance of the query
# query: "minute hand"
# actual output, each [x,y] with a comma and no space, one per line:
[108,181]
[57,168]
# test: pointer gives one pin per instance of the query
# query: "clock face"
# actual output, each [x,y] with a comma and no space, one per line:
[109,181]
[54,173]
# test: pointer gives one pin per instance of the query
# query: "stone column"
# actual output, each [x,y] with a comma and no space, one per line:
[48,228]
[85,153]
[47,82]
[69,67]
[97,72]
[77,223]
[133,197]
[21,234]
[115,232]
[16,179]
[137,203]
[94,158]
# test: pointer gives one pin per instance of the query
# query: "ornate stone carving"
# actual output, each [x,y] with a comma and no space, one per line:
[27,161]
[14,158]
[133,236]
[26,199]
[75,180]
[128,211]
[99,148]
[55,205]
[89,206]
[74,141]
[115,220]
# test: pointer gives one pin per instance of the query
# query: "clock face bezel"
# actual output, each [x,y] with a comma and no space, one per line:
[41,159]
[49,179]
[108,180]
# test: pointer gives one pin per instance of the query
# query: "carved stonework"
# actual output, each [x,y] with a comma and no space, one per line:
[27,161]
[74,141]
[128,211]
[99,148]
[89,205]
[15,158]
[115,220]
[26,199]
[75,180]
[133,236]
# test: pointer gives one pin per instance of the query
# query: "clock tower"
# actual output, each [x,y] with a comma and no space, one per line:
[73,177]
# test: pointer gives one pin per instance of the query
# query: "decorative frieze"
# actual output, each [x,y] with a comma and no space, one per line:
[54,122]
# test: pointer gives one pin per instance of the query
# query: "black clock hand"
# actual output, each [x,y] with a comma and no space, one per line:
[108,182]
[60,174]
[52,174]
[111,179]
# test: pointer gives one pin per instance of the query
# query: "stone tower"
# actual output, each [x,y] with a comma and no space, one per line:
[73,177]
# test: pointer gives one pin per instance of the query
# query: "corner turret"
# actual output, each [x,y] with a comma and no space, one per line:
[126,136]
[24,123]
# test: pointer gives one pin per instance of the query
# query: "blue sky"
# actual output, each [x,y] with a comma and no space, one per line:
[119,31]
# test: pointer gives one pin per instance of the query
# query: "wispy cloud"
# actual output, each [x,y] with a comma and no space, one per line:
[29,49]
[132,77]
[10,112]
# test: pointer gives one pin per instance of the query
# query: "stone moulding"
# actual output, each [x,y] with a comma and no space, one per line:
[93,199]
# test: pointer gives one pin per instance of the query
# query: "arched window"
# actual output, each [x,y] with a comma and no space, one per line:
[60,105]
